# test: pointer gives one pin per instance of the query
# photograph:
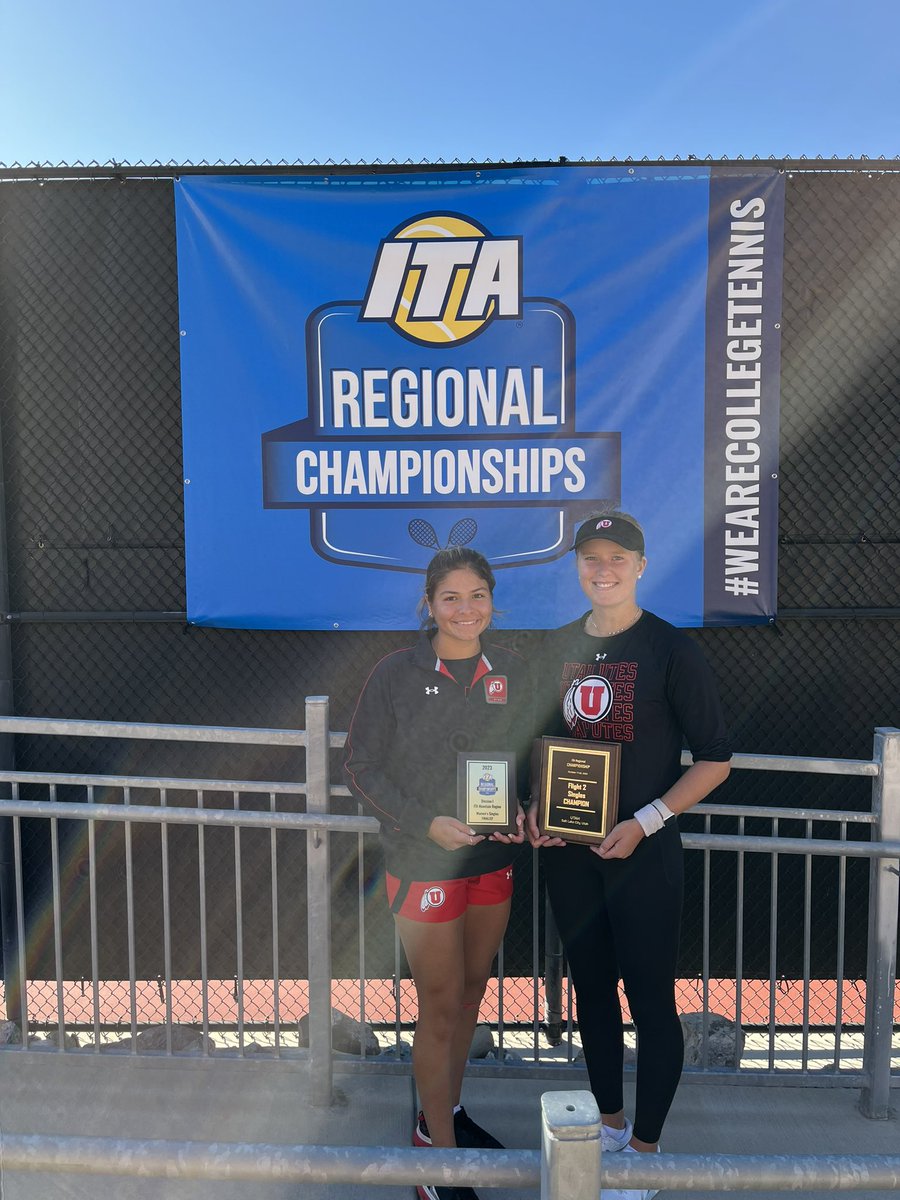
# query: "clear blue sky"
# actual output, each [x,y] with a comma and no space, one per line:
[484,79]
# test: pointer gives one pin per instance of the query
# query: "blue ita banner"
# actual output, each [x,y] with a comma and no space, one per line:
[378,366]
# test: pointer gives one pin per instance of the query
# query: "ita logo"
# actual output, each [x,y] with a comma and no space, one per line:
[440,408]
[487,784]
[441,278]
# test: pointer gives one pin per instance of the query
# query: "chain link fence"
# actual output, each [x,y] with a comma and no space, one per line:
[91,433]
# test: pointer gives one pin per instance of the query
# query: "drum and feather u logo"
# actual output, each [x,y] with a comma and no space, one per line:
[432,897]
[588,699]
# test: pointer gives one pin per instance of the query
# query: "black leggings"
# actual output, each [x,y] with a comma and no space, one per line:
[621,918]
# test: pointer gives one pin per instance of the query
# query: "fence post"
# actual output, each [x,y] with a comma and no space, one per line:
[318,904]
[570,1146]
[884,894]
[13,954]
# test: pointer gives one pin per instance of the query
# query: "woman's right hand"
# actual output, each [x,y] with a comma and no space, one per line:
[535,837]
[451,834]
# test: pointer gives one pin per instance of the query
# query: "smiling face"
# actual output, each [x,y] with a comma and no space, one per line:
[608,574]
[462,608]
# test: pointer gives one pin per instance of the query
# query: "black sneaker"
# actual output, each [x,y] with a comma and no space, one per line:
[430,1191]
[421,1136]
[470,1136]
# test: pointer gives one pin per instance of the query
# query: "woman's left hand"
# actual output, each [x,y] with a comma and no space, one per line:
[621,840]
[516,838]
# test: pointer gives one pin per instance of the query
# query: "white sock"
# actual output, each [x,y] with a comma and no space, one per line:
[620,1135]
[457,1108]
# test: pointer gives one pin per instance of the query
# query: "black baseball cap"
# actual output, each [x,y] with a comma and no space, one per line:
[612,529]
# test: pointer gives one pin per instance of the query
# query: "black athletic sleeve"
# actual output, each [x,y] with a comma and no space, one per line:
[694,697]
[372,734]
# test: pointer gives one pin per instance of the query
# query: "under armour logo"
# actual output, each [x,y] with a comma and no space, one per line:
[431,691]
[599,657]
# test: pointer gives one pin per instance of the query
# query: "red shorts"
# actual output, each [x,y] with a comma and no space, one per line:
[446,899]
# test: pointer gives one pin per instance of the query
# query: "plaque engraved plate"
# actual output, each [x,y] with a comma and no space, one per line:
[486,791]
[578,797]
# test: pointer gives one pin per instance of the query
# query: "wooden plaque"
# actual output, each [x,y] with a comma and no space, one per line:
[578,797]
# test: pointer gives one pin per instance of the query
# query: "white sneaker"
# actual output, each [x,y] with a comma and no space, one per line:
[629,1193]
[612,1140]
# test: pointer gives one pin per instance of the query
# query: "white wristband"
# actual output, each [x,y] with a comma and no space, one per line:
[653,816]
[650,819]
[663,809]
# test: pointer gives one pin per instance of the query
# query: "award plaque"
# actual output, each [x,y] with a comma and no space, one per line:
[579,788]
[486,791]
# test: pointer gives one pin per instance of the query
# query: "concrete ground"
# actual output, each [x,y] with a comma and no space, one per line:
[222,1100]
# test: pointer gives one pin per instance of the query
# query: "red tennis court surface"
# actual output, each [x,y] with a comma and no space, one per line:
[761,1003]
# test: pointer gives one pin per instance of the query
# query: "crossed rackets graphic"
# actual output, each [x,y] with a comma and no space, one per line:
[423,533]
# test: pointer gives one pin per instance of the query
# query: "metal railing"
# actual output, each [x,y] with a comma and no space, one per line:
[882,851]
[569,1166]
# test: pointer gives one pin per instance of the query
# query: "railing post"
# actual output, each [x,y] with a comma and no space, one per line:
[570,1146]
[884,894]
[318,904]
[553,977]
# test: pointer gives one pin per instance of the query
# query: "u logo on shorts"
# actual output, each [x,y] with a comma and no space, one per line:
[432,897]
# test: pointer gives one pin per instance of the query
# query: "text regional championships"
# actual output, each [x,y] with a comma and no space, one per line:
[519,472]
